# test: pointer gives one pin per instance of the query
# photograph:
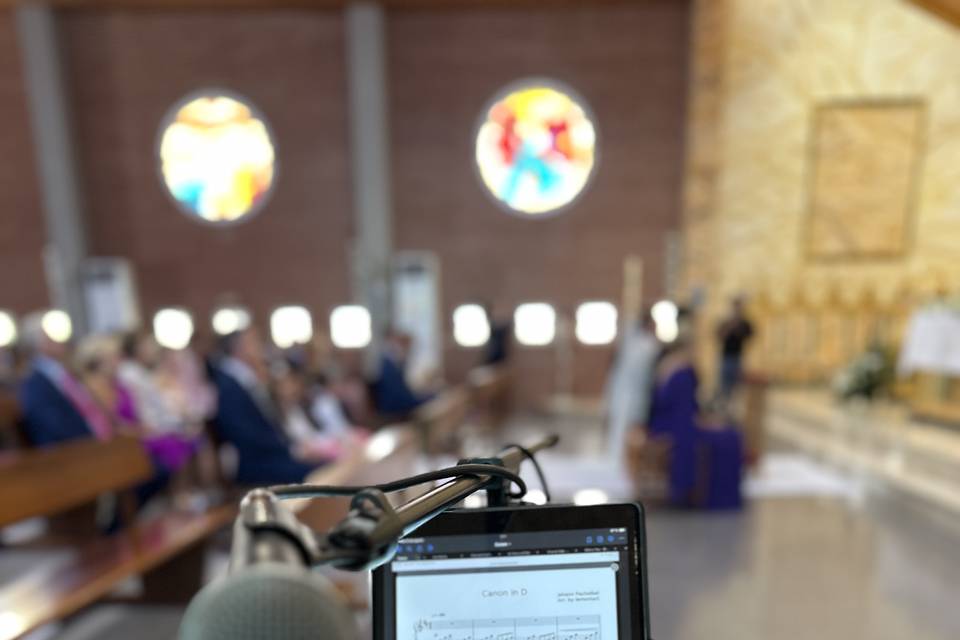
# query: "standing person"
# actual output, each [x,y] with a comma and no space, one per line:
[733,334]
[630,384]
[497,349]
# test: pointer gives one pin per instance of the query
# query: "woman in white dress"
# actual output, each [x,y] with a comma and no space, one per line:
[629,387]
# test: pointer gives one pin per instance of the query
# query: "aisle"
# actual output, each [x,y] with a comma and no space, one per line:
[819,553]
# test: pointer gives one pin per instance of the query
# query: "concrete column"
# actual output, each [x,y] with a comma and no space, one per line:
[370,149]
[56,160]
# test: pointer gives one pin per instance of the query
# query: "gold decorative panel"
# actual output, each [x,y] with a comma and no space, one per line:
[750,227]
[864,159]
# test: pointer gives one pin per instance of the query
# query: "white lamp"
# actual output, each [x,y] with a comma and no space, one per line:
[665,316]
[290,326]
[470,326]
[226,320]
[8,329]
[57,325]
[535,324]
[350,327]
[596,323]
[173,328]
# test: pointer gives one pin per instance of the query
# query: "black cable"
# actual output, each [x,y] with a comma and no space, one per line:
[536,465]
[296,491]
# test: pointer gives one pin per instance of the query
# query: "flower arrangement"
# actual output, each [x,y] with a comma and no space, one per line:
[868,375]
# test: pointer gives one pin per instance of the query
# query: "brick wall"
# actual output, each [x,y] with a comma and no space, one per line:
[629,62]
[126,70]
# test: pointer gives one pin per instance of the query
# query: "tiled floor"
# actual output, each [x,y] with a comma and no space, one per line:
[804,568]
[820,553]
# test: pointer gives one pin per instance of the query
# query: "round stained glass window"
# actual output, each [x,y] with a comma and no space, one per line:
[216,157]
[536,147]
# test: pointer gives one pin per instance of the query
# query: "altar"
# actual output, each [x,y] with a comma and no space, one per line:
[880,442]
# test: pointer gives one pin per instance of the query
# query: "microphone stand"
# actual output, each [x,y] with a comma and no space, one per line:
[367,537]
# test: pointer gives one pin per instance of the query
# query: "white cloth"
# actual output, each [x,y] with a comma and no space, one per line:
[154,410]
[326,410]
[241,372]
[932,342]
[630,386]
[298,427]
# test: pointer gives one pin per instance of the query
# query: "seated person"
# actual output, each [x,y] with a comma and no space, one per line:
[392,394]
[290,396]
[247,417]
[705,460]
[327,409]
[97,360]
[137,372]
[182,377]
[57,407]
[312,418]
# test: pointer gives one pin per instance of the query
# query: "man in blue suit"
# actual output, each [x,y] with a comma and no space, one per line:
[57,408]
[392,394]
[50,415]
[247,418]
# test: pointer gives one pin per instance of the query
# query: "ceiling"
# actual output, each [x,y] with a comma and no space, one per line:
[949,10]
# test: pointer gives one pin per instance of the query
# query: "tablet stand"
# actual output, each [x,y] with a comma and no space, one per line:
[367,537]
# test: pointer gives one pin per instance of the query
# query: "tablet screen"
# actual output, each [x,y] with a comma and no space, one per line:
[531,573]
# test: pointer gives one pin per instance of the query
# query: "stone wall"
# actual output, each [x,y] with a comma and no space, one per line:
[782,61]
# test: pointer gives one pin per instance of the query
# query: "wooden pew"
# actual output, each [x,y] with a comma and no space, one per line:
[167,550]
[440,420]
[753,416]
[11,434]
[390,454]
[648,461]
[490,394]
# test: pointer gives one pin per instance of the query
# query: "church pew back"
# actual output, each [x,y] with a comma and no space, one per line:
[42,482]
[390,454]
[490,394]
[158,549]
[10,433]
[440,419]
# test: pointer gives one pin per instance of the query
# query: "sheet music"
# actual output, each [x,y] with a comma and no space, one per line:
[575,603]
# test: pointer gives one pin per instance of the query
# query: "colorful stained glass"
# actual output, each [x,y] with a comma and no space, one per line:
[536,148]
[217,157]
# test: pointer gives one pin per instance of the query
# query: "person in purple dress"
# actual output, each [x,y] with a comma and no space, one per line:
[96,360]
[706,459]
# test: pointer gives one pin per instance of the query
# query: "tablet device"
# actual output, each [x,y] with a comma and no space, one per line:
[518,573]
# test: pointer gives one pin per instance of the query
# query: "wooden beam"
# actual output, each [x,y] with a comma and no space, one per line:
[949,10]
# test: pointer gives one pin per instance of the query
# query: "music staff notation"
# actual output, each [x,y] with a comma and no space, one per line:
[544,628]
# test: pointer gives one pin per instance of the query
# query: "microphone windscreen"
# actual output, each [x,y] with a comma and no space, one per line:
[268,602]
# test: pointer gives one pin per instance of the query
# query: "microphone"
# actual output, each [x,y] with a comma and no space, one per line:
[270,591]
